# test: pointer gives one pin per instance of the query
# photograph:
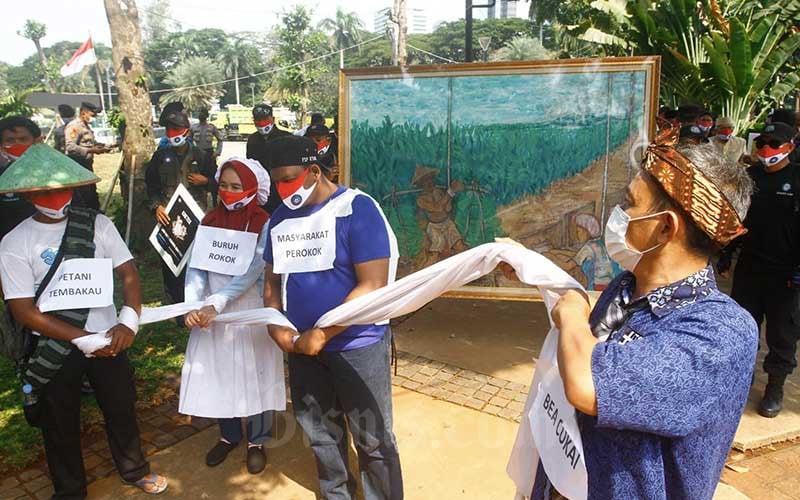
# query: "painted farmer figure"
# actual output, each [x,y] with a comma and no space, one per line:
[339,376]
[659,371]
[179,163]
[766,281]
[78,335]
[442,237]
[81,146]
[266,131]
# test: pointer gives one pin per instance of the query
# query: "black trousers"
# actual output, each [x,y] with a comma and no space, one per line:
[112,380]
[85,196]
[173,285]
[767,295]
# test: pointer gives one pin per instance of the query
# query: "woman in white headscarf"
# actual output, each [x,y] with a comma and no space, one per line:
[232,372]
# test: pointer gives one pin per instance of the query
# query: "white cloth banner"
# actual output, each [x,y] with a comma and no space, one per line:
[565,468]
[79,284]
[222,251]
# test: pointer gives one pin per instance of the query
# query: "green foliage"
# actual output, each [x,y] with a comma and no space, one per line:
[14,103]
[522,48]
[116,119]
[29,74]
[192,79]
[345,30]
[493,161]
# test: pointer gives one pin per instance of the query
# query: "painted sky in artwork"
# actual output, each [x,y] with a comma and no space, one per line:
[499,99]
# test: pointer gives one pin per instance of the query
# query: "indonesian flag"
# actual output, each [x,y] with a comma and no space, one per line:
[82,57]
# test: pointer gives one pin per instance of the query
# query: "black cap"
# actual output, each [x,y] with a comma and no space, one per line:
[291,150]
[780,131]
[203,112]
[94,108]
[66,111]
[783,115]
[261,111]
[689,112]
[317,119]
[692,132]
[174,119]
[317,130]
[327,157]
[169,109]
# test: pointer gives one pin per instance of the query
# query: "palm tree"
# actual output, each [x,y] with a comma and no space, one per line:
[196,81]
[35,31]
[344,30]
[233,58]
[522,48]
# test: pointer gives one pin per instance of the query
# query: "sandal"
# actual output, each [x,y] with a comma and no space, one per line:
[152,484]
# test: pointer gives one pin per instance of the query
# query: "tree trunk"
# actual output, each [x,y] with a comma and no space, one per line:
[236,82]
[402,29]
[43,62]
[134,102]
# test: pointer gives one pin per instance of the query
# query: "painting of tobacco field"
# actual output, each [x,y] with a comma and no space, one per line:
[460,155]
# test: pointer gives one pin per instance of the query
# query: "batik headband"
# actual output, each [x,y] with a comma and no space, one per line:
[691,189]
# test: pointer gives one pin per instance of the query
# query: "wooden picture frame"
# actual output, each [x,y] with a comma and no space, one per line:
[537,151]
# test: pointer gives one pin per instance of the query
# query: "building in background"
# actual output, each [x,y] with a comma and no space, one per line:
[417,20]
[503,9]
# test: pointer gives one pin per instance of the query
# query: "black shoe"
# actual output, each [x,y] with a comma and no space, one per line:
[256,459]
[219,453]
[772,403]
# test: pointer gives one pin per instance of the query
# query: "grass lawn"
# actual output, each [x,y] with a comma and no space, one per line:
[156,355]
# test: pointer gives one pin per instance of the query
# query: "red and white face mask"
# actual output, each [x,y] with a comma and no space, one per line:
[53,204]
[770,156]
[14,151]
[265,126]
[293,193]
[235,201]
[177,137]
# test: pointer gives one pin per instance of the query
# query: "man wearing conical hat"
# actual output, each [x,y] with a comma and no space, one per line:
[442,237]
[50,262]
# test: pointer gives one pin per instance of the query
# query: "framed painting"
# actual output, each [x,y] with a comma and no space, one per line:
[538,151]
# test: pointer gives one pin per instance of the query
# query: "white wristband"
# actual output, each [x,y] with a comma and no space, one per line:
[129,318]
[294,339]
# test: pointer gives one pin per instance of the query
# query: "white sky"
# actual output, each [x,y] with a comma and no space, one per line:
[74,19]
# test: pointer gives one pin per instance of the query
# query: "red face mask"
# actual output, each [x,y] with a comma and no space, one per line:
[265,122]
[706,123]
[16,150]
[235,201]
[726,131]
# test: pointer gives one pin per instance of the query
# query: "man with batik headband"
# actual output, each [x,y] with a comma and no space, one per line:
[767,277]
[56,269]
[659,370]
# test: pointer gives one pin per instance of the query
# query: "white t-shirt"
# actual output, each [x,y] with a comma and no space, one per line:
[27,252]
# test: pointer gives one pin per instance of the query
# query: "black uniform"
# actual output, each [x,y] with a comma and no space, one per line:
[256,149]
[13,207]
[770,254]
[166,170]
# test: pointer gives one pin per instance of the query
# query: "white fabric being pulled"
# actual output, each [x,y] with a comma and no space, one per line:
[412,293]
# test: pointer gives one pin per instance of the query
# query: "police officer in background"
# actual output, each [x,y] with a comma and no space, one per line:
[180,163]
[81,146]
[766,281]
[257,146]
[203,133]
[67,114]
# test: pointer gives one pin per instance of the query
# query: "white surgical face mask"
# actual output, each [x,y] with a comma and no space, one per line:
[724,137]
[265,130]
[617,242]
[54,213]
[772,160]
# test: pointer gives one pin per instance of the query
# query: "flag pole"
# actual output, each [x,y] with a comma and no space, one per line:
[97,74]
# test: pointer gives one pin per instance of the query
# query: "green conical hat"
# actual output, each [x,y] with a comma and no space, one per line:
[42,168]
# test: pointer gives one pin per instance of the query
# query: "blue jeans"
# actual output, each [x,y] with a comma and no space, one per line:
[259,428]
[337,390]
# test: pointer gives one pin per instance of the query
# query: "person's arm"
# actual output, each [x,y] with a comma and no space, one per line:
[282,335]
[210,170]
[194,290]
[27,314]
[72,136]
[153,182]
[218,135]
[575,346]
[122,335]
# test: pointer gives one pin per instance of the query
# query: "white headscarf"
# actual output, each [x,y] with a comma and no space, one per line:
[262,177]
